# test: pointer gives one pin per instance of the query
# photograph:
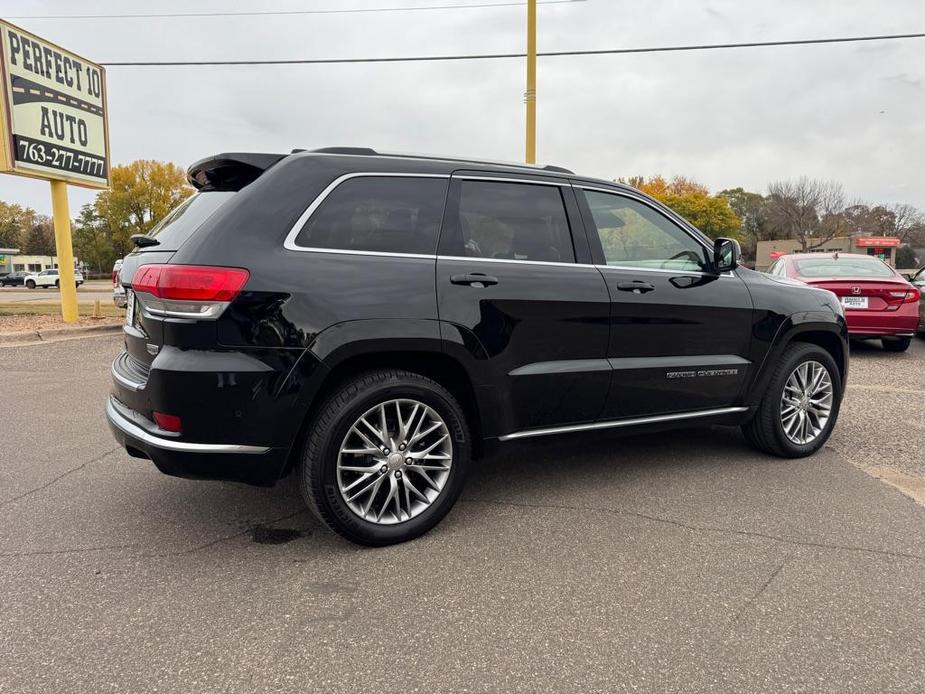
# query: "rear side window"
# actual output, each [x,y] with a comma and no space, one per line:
[385,214]
[185,218]
[513,221]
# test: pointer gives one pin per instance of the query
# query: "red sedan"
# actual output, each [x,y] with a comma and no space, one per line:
[878,301]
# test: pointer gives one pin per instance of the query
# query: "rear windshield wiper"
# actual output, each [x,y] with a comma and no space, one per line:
[143,240]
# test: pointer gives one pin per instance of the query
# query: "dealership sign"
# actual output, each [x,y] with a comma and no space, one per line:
[877,242]
[53,113]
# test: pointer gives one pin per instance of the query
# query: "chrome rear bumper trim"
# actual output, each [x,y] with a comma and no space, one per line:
[136,432]
[620,423]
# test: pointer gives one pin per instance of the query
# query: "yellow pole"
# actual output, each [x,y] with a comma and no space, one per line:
[64,251]
[530,96]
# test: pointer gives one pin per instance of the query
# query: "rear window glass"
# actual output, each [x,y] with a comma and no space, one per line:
[842,267]
[384,214]
[185,218]
[514,221]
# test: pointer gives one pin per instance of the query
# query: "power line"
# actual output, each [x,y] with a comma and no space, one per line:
[352,10]
[498,56]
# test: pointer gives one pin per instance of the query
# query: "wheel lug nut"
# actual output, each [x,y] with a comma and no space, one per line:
[402,447]
[385,450]
[398,474]
[383,469]
[409,461]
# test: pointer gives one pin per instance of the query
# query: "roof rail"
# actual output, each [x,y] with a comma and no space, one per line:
[370,152]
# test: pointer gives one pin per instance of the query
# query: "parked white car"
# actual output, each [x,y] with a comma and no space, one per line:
[50,278]
[118,291]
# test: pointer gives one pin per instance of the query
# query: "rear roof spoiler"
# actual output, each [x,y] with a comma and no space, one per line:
[230,171]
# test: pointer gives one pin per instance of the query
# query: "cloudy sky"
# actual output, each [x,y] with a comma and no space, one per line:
[851,112]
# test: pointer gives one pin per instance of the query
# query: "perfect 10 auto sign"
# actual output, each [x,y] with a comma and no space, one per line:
[53,112]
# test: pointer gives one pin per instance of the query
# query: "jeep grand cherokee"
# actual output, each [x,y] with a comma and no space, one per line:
[371,322]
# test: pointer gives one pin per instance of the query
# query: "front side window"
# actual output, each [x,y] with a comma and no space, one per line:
[635,235]
[385,214]
[513,221]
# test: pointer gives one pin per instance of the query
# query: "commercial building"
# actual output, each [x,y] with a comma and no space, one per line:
[883,247]
[11,260]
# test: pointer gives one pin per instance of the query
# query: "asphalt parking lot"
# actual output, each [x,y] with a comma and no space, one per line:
[683,562]
[88,291]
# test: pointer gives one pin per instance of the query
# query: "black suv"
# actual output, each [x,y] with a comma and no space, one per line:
[371,322]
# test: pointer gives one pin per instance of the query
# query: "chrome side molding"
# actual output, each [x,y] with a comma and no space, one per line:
[613,424]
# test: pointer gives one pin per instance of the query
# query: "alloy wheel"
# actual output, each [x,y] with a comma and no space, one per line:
[394,461]
[806,403]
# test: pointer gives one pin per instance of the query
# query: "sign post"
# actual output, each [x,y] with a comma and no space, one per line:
[53,125]
[530,94]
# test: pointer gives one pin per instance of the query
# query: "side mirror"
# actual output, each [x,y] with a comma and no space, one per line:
[726,254]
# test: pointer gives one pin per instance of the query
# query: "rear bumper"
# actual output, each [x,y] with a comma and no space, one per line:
[900,323]
[257,465]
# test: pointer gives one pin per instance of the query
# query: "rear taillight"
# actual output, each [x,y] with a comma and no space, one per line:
[187,291]
[895,299]
[115,277]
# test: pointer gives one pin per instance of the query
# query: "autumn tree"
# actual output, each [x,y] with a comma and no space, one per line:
[142,193]
[711,214]
[12,218]
[25,229]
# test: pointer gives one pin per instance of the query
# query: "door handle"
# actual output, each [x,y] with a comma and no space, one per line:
[636,286]
[474,279]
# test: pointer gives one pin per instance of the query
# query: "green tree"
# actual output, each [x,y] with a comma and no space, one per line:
[906,259]
[92,242]
[38,237]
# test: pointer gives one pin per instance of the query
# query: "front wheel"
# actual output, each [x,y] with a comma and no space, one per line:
[30,284]
[896,344]
[800,406]
[385,457]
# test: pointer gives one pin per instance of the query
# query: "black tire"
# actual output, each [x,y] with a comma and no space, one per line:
[334,418]
[896,344]
[30,284]
[57,284]
[765,430]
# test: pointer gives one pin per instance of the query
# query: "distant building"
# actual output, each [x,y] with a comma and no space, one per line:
[883,247]
[11,260]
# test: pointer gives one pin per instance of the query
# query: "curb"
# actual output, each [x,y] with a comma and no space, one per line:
[52,334]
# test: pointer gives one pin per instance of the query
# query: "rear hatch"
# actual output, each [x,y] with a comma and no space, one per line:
[143,333]
[217,180]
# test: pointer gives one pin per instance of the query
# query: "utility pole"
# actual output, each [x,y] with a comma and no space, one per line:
[530,94]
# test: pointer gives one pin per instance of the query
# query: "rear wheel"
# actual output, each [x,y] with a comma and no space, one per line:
[800,405]
[57,283]
[896,344]
[385,457]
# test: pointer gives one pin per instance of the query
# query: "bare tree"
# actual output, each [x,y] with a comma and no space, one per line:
[808,210]
[908,223]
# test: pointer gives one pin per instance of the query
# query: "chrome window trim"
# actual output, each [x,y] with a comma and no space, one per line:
[620,423]
[500,179]
[633,268]
[129,428]
[477,259]
[290,245]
